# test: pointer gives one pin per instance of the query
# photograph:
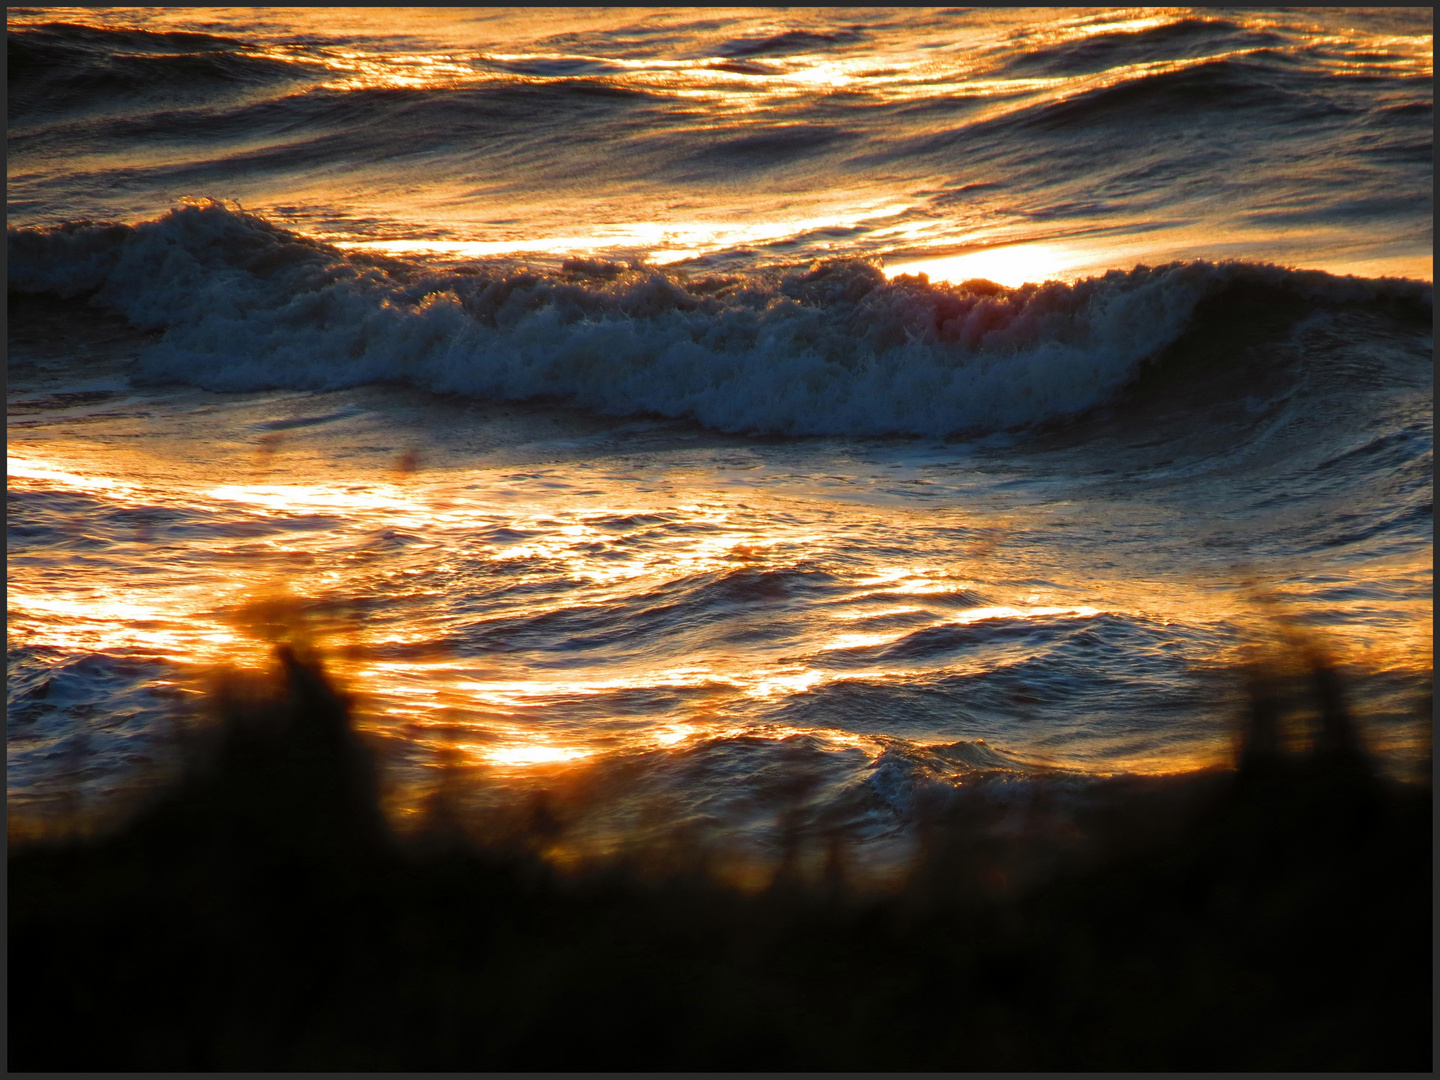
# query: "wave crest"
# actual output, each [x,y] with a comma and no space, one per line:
[834,349]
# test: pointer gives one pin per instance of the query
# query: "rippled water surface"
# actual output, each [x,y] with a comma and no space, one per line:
[1097,138]
[612,396]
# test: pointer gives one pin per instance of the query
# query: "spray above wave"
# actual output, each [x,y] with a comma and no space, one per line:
[831,350]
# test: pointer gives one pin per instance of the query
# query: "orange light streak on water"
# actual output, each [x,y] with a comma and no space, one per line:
[937,60]
[202,603]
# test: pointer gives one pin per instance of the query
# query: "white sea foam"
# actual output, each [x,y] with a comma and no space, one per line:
[832,350]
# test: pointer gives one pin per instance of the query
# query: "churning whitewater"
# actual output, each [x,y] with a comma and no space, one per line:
[832,349]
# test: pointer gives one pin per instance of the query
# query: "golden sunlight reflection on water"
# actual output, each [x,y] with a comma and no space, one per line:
[223,595]
[707,73]
[953,62]
[1011,266]
[660,242]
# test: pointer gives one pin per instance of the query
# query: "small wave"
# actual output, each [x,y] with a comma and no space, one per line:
[1221,85]
[792,42]
[59,68]
[102,39]
[773,146]
[659,618]
[1186,37]
[95,719]
[904,771]
[834,349]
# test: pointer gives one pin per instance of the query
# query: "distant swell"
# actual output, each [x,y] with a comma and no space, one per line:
[61,68]
[832,350]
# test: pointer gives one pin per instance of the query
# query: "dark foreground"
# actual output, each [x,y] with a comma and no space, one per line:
[263,917]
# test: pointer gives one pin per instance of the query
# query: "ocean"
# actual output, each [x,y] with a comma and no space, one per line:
[731,420]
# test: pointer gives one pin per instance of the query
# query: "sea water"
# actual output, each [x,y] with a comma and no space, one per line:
[728,418]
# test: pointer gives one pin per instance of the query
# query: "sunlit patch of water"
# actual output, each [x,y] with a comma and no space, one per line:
[553,654]
[856,111]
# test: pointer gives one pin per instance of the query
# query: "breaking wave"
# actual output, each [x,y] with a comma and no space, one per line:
[832,349]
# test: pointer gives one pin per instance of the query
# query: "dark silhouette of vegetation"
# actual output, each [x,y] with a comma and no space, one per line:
[262,915]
